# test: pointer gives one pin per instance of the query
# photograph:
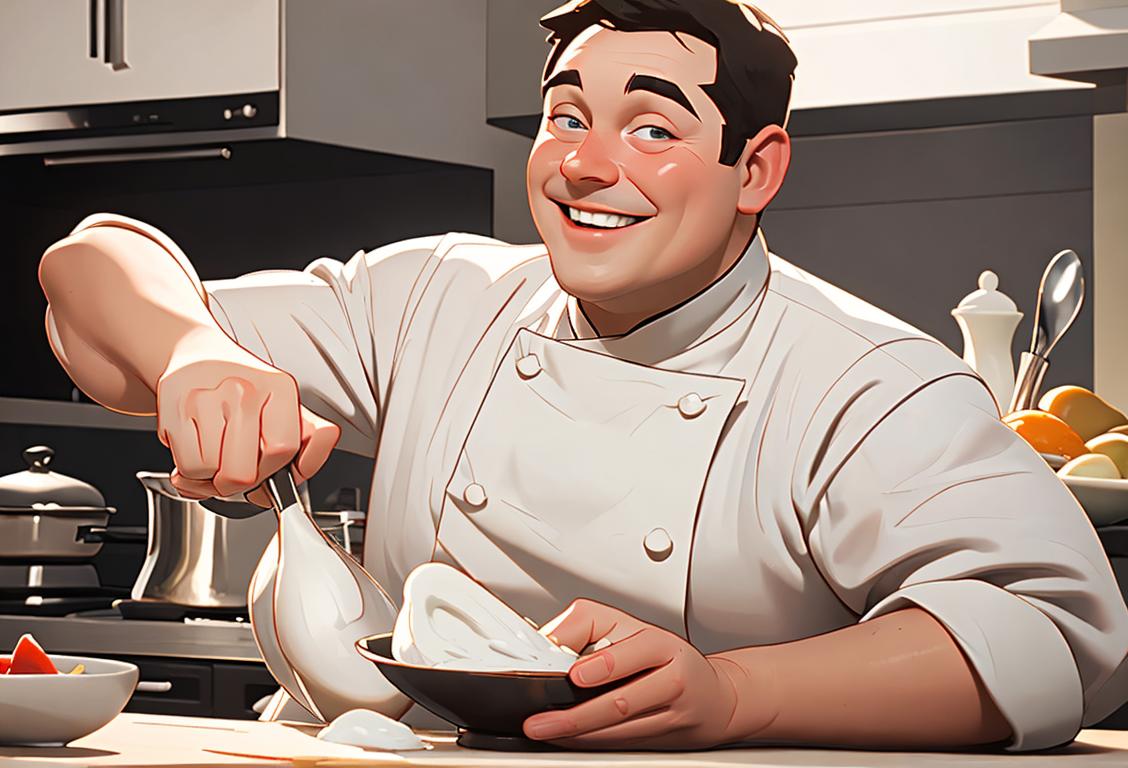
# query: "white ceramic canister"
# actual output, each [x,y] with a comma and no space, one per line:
[988,319]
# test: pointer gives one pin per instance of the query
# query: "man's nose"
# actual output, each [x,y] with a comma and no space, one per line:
[590,164]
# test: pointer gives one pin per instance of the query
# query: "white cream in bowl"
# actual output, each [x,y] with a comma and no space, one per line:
[450,621]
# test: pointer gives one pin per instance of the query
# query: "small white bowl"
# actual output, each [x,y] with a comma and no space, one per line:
[1105,500]
[51,710]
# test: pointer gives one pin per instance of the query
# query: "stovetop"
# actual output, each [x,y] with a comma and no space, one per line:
[105,632]
[47,604]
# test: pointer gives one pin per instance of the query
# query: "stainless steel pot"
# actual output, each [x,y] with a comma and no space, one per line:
[41,512]
[199,557]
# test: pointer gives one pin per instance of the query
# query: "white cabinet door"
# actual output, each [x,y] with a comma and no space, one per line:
[156,49]
[823,13]
[42,48]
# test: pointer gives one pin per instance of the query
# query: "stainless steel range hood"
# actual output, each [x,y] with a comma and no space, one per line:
[124,76]
[119,80]
[1088,41]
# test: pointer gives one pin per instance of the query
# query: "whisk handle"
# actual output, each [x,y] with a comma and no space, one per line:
[282,489]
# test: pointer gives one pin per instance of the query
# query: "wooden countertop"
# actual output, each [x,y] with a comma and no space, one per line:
[157,740]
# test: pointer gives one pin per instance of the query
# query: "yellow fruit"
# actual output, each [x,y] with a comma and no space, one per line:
[1121,430]
[1046,433]
[1114,446]
[1083,410]
[1091,465]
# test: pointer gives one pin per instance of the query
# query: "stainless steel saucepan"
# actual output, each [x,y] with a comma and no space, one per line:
[41,512]
[199,557]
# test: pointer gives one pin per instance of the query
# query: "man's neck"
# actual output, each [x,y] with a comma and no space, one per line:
[626,313]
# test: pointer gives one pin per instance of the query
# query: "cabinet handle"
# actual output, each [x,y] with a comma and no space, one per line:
[93,19]
[152,686]
[218,153]
[114,54]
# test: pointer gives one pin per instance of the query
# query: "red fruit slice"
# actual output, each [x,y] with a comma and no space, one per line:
[29,659]
[5,664]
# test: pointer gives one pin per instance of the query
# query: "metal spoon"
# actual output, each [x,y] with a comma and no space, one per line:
[1060,296]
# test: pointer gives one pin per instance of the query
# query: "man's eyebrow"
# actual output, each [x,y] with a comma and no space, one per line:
[563,77]
[663,88]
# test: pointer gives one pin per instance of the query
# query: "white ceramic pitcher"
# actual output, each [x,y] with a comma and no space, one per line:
[310,602]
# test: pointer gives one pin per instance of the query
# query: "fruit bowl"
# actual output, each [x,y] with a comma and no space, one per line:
[53,709]
[1085,440]
[1104,500]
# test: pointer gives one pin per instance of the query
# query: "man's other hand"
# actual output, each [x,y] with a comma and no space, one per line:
[232,420]
[676,699]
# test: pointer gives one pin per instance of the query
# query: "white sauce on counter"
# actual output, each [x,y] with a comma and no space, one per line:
[370,730]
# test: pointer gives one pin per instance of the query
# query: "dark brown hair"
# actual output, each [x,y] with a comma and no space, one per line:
[755,63]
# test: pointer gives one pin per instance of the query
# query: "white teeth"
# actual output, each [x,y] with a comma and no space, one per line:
[603,220]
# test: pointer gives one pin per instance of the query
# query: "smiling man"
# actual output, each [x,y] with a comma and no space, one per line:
[795,518]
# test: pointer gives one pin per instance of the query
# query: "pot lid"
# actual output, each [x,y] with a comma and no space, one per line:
[39,485]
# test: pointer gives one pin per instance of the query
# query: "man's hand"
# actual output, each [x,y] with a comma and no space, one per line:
[680,699]
[231,420]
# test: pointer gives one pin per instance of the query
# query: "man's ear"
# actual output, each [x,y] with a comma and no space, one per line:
[764,163]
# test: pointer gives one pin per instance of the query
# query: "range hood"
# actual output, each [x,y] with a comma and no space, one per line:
[1088,42]
[156,78]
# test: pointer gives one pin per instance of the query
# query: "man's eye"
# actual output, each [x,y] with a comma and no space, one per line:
[653,133]
[568,123]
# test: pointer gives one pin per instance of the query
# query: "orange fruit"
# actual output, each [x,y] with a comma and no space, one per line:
[1047,433]
[1087,413]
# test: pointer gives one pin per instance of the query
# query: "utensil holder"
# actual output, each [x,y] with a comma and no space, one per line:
[1028,382]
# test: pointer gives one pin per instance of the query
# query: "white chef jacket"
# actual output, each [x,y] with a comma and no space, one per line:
[771,460]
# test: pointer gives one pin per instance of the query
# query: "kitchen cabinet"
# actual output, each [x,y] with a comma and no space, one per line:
[172,687]
[198,687]
[72,52]
[237,687]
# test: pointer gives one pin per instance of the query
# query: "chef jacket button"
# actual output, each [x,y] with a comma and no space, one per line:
[658,545]
[691,406]
[528,366]
[474,495]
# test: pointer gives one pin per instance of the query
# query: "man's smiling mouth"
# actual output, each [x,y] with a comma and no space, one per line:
[596,220]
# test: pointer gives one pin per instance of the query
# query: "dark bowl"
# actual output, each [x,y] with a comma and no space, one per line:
[488,707]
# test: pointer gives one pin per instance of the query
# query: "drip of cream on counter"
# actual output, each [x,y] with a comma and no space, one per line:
[370,730]
[449,620]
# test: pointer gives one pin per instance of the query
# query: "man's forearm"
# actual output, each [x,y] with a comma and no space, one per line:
[898,680]
[120,305]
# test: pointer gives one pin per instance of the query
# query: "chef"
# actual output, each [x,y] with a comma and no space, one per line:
[797,517]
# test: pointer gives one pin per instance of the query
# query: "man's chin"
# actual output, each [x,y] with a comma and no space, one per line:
[590,284]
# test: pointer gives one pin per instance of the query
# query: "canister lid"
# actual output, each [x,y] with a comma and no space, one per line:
[988,298]
[38,485]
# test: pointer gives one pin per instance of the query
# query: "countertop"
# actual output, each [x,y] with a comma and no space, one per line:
[216,640]
[155,740]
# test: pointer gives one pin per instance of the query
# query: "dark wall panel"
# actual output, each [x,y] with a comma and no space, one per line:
[917,260]
[966,161]
[274,205]
[908,219]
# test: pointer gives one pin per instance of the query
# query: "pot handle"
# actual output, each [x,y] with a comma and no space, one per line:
[37,457]
[122,534]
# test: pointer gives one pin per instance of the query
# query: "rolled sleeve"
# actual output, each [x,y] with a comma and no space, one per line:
[943,507]
[1018,653]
